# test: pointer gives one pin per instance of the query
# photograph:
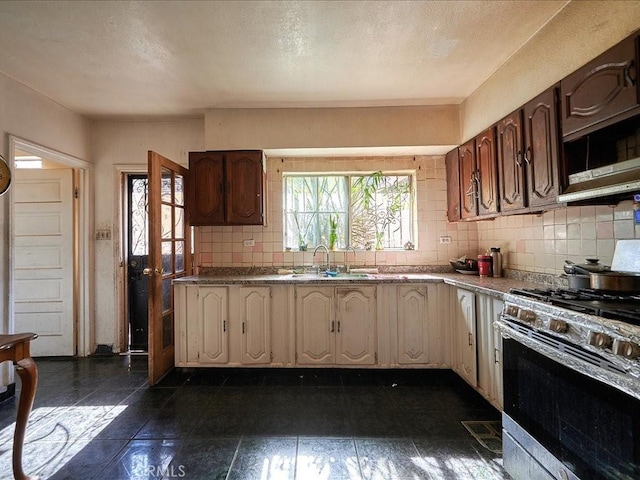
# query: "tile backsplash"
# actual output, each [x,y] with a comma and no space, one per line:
[536,243]
[542,242]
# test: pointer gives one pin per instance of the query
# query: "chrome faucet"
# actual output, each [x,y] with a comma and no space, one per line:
[346,259]
[326,251]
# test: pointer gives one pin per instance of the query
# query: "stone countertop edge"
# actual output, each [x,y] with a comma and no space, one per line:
[496,287]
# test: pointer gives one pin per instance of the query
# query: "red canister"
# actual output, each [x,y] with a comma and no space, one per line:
[484,265]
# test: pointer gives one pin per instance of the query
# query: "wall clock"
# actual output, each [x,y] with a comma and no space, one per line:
[5,175]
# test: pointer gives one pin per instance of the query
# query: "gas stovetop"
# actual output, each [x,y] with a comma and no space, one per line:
[613,305]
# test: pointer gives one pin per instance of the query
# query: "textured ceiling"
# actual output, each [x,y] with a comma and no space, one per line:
[115,59]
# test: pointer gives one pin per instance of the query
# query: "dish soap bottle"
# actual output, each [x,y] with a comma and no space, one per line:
[496,257]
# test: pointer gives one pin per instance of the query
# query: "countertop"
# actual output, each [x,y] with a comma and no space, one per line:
[488,285]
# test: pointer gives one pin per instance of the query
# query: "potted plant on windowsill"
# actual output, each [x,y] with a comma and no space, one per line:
[333,232]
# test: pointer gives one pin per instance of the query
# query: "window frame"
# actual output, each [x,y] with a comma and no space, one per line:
[412,174]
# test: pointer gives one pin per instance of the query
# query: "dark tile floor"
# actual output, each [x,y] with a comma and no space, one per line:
[95,418]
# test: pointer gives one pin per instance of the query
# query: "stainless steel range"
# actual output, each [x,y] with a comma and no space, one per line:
[571,384]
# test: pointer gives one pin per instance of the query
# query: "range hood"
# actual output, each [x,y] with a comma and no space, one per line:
[617,180]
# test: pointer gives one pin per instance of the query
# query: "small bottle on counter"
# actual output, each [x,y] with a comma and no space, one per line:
[496,261]
[484,265]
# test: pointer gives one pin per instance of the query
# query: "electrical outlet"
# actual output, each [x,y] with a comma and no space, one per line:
[445,239]
[249,243]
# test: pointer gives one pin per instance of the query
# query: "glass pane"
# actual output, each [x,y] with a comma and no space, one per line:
[166,221]
[139,217]
[166,189]
[167,290]
[179,257]
[179,227]
[381,211]
[310,203]
[179,190]
[167,257]
[167,330]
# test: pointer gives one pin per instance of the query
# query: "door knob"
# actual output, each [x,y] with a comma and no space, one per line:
[152,271]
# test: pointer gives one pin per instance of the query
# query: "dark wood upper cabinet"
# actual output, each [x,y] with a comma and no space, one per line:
[487,172]
[244,188]
[542,149]
[468,181]
[452,165]
[205,197]
[511,169]
[226,188]
[602,92]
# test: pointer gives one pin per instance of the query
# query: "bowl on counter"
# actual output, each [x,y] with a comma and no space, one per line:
[468,267]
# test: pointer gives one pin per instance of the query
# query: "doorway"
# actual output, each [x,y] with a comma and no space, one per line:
[48,249]
[137,258]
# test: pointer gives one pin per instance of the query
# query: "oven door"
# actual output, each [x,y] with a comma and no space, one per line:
[591,428]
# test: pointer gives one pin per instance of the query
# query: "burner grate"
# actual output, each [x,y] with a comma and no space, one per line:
[612,305]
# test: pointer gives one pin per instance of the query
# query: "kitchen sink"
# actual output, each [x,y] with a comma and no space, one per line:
[338,276]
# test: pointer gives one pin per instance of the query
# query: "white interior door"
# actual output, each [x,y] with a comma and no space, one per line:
[43,259]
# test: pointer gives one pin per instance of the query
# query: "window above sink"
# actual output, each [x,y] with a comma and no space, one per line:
[365,211]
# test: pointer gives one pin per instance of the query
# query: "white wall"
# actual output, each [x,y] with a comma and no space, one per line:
[122,146]
[276,128]
[29,115]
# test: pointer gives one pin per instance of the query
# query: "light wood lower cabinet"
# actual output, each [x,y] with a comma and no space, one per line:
[413,325]
[464,335]
[254,305]
[315,325]
[206,331]
[489,349]
[336,325]
[219,325]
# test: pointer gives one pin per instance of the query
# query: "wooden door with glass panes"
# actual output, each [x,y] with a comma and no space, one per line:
[169,258]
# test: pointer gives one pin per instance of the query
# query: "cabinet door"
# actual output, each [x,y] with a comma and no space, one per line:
[489,344]
[315,325]
[468,181]
[255,316]
[511,163]
[487,172]
[601,92]
[452,165]
[212,321]
[205,196]
[541,149]
[244,185]
[413,334]
[465,337]
[356,326]
[497,390]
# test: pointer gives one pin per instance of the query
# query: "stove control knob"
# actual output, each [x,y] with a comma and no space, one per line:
[527,316]
[626,349]
[599,339]
[511,310]
[558,326]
